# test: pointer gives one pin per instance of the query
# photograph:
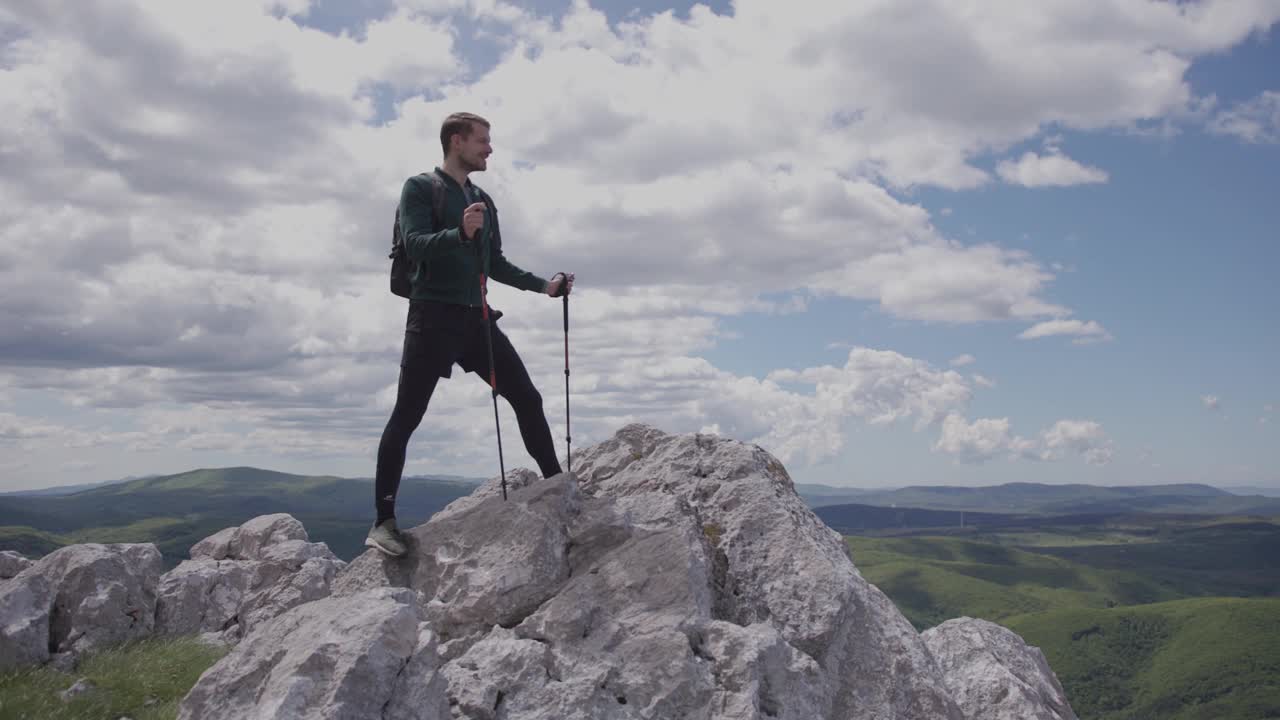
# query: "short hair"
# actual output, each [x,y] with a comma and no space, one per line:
[458,123]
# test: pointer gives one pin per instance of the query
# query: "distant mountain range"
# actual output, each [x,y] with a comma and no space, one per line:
[1044,499]
[176,511]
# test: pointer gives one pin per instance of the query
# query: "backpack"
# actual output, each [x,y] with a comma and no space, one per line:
[402,267]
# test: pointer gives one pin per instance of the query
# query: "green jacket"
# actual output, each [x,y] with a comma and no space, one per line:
[447,268]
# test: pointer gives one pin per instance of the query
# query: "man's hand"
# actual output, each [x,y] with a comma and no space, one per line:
[472,220]
[553,287]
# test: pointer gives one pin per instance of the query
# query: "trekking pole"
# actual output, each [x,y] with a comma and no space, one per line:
[568,454]
[493,382]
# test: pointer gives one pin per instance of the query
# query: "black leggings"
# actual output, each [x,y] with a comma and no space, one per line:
[426,358]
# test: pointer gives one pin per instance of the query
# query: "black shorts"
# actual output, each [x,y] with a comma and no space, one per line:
[437,335]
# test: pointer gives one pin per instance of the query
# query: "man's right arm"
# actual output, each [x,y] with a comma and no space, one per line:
[417,226]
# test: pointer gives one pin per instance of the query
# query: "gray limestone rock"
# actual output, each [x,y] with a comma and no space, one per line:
[775,562]
[242,576]
[488,563]
[24,621]
[366,655]
[76,599]
[668,576]
[12,563]
[994,675]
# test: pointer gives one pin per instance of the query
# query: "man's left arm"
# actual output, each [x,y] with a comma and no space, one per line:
[504,271]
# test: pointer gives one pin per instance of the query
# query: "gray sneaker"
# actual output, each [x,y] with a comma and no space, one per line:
[387,538]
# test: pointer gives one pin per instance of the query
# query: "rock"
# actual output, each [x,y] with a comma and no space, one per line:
[775,562]
[215,547]
[12,563]
[65,662]
[202,596]
[79,598]
[367,655]
[994,674]
[249,540]
[262,532]
[242,576]
[484,564]
[668,576]
[81,686]
[25,602]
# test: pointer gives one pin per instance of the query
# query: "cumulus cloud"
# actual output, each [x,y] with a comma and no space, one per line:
[1054,169]
[1081,436]
[978,441]
[962,360]
[1084,332]
[986,438]
[210,188]
[1256,120]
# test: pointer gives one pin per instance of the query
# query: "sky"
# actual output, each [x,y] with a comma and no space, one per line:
[892,242]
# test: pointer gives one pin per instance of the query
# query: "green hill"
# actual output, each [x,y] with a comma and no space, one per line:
[1233,556]
[932,579]
[176,511]
[1201,659]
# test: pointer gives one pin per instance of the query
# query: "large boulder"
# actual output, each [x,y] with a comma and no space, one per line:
[482,563]
[24,621]
[366,655]
[242,576]
[76,599]
[994,675]
[776,563]
[667,576]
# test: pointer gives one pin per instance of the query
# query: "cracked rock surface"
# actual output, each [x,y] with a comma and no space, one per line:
[366,655]
[242,576]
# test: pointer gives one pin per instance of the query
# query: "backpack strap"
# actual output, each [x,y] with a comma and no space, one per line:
[437,209]
[496,235]
[437,197]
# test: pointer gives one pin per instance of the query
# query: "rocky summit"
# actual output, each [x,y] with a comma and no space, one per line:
[666,577]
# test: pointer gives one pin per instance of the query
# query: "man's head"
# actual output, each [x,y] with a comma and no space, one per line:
[464,137]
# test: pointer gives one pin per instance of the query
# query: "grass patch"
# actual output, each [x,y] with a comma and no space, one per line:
[155,670]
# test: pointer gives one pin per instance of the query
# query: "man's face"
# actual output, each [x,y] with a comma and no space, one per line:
[474,150]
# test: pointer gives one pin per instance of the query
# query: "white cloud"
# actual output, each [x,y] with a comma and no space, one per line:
[1256,120]
[986,438]
[978,441]
[1085,332]
[1054,169]
[962,360]
[1085,437]
[983,381]
[205,187]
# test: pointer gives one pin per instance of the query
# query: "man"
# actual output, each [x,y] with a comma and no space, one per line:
[445,323]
